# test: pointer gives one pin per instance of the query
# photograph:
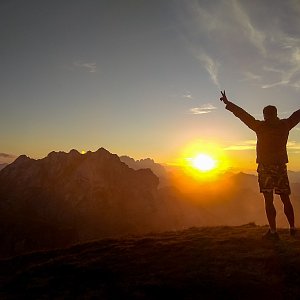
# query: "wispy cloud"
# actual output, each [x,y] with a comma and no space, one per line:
[187,96]
[267,86]
[211,66]
[197,18]
[293,145]
[91,67]
[232,35]
[204,109]
[250,76]
[244,145]
[251,144]
[288,73]
[270,69]
[6,155]
[255,36]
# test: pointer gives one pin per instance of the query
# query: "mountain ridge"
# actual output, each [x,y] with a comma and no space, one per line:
[73,197]
[66,198]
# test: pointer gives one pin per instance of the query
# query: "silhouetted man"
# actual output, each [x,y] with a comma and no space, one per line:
[272,135]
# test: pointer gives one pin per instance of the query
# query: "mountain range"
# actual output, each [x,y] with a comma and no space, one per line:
[68,198]
[147,163]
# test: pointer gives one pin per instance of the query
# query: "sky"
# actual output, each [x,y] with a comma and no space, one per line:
[143,78]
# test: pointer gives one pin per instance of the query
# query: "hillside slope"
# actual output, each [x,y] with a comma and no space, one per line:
[197,263]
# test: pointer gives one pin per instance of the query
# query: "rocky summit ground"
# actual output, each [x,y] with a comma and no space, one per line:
[196,263]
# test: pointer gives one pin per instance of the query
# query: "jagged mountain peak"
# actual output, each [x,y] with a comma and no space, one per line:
[62,167]
[21,159]
[145,163]
[92,194]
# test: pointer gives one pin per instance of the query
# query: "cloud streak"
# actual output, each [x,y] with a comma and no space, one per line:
[204,109]
[254,36]
[249,76]
[231,36]
[211,66]
[91,67]
[187,96]
[293,145]
[267,86]
[242,146]
[6,155]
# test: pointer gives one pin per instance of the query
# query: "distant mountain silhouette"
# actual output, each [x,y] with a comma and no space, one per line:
[68,198]
[147,163]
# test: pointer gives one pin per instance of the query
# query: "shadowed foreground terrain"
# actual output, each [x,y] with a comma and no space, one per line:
[196,263]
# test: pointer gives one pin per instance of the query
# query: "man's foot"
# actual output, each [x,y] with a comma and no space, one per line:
[292,232]
[271,236]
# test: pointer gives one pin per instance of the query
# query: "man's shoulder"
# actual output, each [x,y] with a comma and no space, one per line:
[284,122]
[279,122]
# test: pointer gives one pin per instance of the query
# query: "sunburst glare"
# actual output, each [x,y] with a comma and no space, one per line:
[203,162]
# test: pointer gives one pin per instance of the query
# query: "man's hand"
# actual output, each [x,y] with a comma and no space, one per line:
[224,98]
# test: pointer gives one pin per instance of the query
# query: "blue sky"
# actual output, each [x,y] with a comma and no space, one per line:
[142,78]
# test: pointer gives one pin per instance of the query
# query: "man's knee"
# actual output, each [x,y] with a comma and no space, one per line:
[268,197]
[285,198]
[269,205]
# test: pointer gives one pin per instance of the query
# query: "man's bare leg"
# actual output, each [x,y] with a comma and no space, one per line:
[288,209]
[270,210]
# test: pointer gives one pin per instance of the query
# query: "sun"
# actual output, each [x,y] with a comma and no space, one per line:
[203,162]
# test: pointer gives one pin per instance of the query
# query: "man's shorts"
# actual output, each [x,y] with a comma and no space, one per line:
[273,177]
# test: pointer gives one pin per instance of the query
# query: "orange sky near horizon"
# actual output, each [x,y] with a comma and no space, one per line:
[143,78]
[228,158]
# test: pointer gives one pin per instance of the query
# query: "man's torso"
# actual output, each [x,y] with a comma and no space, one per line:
[271,142]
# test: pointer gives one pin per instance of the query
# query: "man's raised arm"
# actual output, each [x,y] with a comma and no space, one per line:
[249,120]
[294,119]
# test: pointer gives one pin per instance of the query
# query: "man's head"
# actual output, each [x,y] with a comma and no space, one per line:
[270,112]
